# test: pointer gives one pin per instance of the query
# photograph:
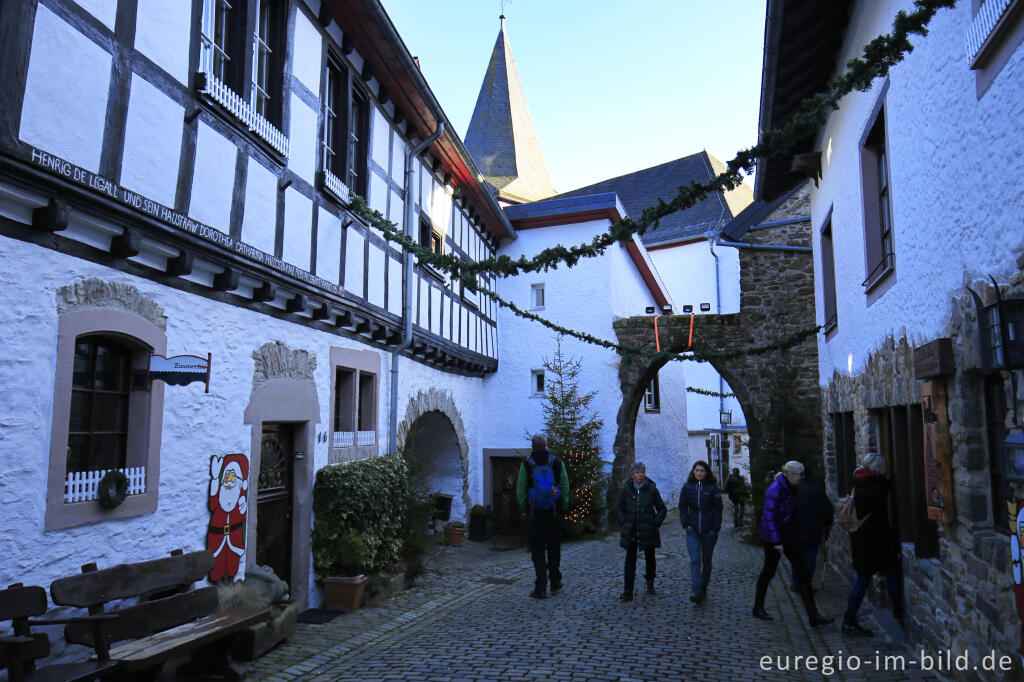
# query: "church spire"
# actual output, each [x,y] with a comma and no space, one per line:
[501,137]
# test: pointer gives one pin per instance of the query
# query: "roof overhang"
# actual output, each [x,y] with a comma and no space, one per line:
[802,40]
[376,39]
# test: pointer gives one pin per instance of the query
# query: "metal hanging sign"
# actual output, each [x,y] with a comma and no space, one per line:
[180,369]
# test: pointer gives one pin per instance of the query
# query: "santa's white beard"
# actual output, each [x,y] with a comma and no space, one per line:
[228,497]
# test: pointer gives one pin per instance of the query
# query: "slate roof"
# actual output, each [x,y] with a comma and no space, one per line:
[501,137]
[643,188]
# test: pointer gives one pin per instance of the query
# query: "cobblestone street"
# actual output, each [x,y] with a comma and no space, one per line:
[470,619]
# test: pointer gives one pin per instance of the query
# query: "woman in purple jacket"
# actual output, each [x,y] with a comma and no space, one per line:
[780,532]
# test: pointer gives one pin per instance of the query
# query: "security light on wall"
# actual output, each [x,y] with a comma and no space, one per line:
[649,310]
[666,309]
[705,307]
[688,309]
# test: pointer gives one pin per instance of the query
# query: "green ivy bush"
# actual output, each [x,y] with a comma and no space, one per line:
[367,498]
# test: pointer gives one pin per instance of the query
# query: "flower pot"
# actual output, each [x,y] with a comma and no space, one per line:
[453,536]
[344,593]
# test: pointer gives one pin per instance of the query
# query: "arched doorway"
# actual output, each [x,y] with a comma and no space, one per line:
[432,450]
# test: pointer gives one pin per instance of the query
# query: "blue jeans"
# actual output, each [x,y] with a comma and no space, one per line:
[700,549]
[810,553]
[860,588]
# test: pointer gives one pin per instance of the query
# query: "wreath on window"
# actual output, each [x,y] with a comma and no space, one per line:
[112,489]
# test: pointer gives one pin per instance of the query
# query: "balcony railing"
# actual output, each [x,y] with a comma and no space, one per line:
[334,185]
[81,486]
[228,99]
[346,439]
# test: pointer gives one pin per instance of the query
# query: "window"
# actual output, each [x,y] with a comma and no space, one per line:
[901,441]
[102,419]
[652,398]
[354,398]
[229,35]
[343,139]
[877,204]
[537,382]
[98,426]
[995,32]
[828,277]
[433,240]
[213,39]
[846,455]
[537,296]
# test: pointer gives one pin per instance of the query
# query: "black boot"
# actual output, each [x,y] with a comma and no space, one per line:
[650,587]
[852,627]
[627,595]
[759,612]
[812,611]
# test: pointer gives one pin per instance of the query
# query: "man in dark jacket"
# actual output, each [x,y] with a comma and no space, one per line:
[544,526]
[736,489]
[816,514]
[780,532]
[641,513]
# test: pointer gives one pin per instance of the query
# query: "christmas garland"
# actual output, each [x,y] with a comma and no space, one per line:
[879,55]
[713,394]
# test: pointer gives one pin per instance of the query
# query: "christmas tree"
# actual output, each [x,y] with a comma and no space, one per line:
[572,428]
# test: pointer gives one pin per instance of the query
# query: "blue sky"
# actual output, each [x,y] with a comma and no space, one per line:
[613,87]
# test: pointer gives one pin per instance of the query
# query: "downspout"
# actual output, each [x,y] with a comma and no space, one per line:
[765,247]
[407,279]
[721,382]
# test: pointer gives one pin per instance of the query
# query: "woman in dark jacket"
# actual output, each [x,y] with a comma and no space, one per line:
[874,545]
[700,512]
[641,512]
[780,533]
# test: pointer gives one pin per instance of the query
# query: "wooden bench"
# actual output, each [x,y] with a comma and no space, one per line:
[21,650]
[169,619]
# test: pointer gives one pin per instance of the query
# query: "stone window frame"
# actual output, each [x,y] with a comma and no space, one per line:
[145,415]
[999,39]
[359,362]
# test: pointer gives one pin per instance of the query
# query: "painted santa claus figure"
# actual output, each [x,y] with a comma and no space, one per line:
[1017,559]
[229,481]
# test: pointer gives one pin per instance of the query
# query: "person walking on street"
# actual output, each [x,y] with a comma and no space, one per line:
[542,491]
[736,489]
[874,545]
[700,512]
[816,514]
[641,513]
[780,533]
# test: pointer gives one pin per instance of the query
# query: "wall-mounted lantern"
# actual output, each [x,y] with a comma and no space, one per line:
[1002,332]
[725,417]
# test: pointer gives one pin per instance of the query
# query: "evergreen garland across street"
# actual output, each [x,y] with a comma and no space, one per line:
[879,55]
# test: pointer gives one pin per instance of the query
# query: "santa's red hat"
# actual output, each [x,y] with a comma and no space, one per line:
[243,465]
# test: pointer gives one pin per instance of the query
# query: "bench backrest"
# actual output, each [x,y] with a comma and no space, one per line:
[93,589]
[18,603]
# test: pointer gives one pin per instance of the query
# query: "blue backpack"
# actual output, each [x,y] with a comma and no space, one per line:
[543,492]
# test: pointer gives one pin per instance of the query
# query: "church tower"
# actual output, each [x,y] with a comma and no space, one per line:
[501,137]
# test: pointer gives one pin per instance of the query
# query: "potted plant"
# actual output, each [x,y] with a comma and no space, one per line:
[454,531]
[346,591]
[478,523]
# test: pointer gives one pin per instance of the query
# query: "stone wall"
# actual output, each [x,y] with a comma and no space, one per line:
[962,598]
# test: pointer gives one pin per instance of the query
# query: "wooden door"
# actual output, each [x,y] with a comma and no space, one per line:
[274,500]
[504,474]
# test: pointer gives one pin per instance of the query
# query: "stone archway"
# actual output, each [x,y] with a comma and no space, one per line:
[432,405]
[779,390]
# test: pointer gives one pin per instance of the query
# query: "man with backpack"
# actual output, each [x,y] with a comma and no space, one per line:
[543,494]
[736,489]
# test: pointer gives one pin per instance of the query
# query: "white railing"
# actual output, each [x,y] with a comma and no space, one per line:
[984,24]
[344,439]
[366,437]
[80,486]
[336,187]
[219,92]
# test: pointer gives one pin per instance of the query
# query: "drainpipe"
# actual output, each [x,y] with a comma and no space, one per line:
[407,279]
[765,247]
[721,382]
